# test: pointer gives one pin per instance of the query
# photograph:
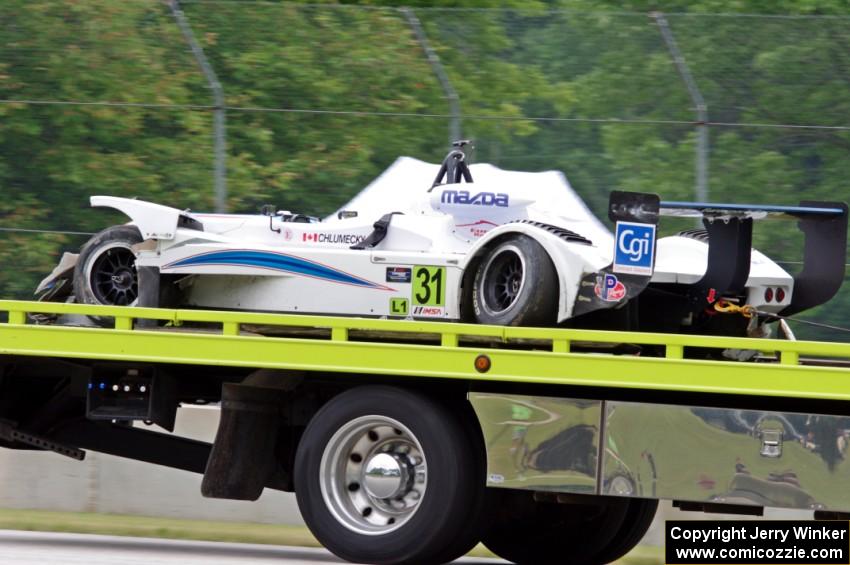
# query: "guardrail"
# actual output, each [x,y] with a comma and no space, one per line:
[450,350]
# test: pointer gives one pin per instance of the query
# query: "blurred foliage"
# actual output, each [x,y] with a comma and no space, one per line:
[590,69]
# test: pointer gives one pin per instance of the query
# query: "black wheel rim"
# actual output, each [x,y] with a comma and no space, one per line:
[503,280]
[113,278]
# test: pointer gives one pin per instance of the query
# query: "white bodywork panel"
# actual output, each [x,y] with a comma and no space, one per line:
[272,263]
[404,185]
[572,261]
[153,220]
[684,260]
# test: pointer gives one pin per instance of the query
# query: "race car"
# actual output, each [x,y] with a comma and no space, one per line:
[501,250]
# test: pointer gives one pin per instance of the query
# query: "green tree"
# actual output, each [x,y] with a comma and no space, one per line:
[323,97]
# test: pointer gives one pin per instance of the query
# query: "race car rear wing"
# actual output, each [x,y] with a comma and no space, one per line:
[823,210]
[729,227]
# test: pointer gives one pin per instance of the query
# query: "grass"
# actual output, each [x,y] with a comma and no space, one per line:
[240,532]
[144,526]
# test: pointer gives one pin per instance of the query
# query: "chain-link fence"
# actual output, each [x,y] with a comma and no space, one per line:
[218,104]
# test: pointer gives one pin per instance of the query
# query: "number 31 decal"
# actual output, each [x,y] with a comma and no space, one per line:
[429,286]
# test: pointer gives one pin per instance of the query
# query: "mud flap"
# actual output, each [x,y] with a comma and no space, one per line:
[243,458]
[632,213]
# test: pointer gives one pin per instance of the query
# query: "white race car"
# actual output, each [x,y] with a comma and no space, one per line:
[492,251]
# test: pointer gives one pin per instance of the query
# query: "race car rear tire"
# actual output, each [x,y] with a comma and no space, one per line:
[528,531]
[385,475]
[516,284]
[106,270]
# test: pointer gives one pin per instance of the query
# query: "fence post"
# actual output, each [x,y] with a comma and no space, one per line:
[437,66]
[219,149]
[699,103]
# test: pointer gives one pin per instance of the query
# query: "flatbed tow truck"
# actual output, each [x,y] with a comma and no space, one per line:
[408,442]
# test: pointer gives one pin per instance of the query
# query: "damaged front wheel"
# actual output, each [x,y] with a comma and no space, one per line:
[106,270]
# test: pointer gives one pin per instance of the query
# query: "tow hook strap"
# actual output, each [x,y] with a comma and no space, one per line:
[727,307]
[378,234]
[749,311]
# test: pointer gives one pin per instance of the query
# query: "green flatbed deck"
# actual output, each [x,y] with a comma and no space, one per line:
[426,349]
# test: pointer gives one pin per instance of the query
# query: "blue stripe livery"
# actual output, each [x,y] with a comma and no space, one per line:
[277,262]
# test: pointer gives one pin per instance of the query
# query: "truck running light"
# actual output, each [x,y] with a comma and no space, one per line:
[482,363]
[768,294]
[780,294]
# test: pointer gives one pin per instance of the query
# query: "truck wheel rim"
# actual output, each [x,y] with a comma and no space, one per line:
[112,275]
[373,475]
[503,280]
[621,486]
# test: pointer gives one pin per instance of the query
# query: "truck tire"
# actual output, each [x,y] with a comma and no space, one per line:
[639,518]
[516,284]
[526,531]
[106,269]
[385,475]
